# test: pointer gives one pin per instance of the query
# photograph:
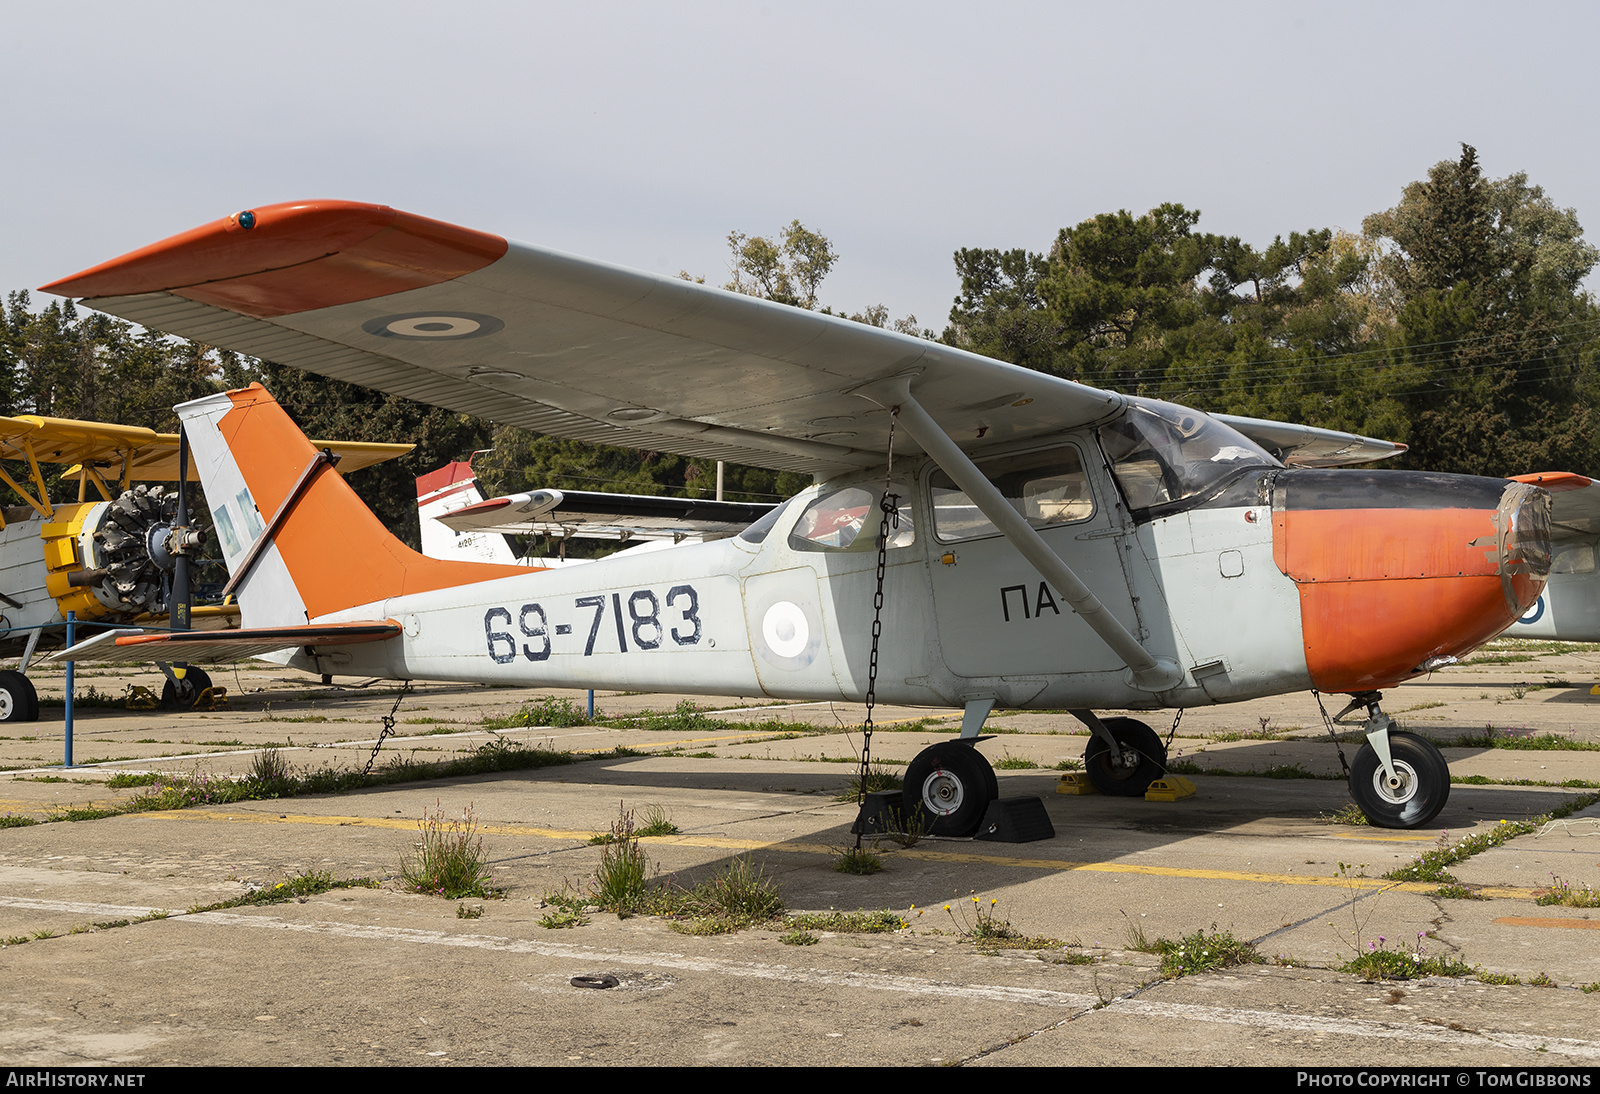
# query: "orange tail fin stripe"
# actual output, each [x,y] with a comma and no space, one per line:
[338,553]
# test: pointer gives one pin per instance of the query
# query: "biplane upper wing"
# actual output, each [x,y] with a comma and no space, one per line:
[593,514]
[1309,446]
[563,345]
[136,453]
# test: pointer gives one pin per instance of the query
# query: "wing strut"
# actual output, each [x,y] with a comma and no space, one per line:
[1145,671]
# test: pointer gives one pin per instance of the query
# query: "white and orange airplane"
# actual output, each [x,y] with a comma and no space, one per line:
[1044,543]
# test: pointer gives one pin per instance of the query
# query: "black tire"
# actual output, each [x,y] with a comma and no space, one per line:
[948,789]
[18,701]
[182,697]
[1424,788]
[1110,770]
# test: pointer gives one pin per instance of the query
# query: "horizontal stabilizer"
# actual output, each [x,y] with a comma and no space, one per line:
[598,515]
[131,646]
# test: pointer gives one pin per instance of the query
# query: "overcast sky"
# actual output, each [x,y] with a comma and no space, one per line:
[643,133]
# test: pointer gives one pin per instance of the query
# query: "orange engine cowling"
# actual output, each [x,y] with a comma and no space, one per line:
[1399,571]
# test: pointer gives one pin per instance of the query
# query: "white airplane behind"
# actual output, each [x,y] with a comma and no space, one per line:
[1044,544]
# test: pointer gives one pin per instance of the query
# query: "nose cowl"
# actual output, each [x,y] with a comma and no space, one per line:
[1399,571]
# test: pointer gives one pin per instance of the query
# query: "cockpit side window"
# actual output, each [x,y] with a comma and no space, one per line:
[1047,488]
[848,519]
[757,532]
[1166,457]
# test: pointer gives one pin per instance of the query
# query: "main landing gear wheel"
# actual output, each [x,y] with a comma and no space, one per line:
[181,695]
[1127,770]
[1422,789]
[948,788]
[18,701]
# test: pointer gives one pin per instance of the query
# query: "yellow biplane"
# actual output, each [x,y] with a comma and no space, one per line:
[106,556]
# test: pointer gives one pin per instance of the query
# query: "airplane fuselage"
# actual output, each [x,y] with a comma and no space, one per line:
[1274,585]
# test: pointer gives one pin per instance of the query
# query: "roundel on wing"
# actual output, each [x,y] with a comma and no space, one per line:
[435,326]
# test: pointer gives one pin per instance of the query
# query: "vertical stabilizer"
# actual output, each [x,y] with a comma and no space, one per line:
[310,547]
[443,491]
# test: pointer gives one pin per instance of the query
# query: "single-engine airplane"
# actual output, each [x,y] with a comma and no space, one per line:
[1044,543]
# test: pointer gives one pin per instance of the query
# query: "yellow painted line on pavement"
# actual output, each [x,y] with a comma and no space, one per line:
[1541,921]
[723,843]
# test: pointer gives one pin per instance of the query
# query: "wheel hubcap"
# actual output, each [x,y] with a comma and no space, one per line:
[1396,795]
[942,793]
[5,705]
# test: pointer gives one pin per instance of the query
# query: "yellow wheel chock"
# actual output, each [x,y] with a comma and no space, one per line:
[1075,782]
[1169,788]
[141,698]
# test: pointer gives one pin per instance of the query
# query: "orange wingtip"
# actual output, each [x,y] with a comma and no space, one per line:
[1554,481]
[293,257]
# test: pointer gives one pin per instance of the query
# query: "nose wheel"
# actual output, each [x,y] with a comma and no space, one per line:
[1412,794]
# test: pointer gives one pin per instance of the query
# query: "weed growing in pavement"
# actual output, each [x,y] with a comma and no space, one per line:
[296,887]
[1349,814]
[797,937]
[657,822]
[1134,937]
[740,891]
[1520,739]
[862,861]
[857,922]
[561,916]
[1589,989]
[1008,762]
[183,791]
[909,830]
[1432,865]
[464,911]
[82,813]
[878,778]
[548,711]
[16,820]
[1562,892]
[270,776]
[124,779]
[981,924]
[449,860]
[1542,981]
[1069,765]
[1380,961]
[619,879]
[1199,952]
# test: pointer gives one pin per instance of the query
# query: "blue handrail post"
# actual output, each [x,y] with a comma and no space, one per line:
[591,704]
[72,627]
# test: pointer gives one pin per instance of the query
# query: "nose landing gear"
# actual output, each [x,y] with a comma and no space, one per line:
[1398,779]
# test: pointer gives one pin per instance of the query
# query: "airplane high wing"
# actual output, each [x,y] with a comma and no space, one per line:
[1033,543]
[1309,446]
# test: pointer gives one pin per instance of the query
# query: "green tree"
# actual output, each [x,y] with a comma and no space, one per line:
[787,269]
[1491,351]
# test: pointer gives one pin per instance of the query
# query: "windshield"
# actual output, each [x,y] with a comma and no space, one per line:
[1165,455]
